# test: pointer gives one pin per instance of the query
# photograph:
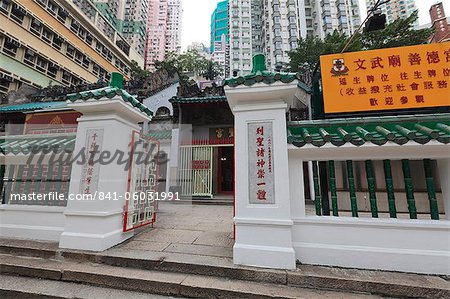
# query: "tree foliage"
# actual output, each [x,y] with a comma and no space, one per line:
[137,73]
[212,71]
[399,33]
[306,57]
[190,62]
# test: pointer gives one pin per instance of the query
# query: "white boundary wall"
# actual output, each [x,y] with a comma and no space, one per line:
[409,245]
[420,246]
[31,222]
[90,225]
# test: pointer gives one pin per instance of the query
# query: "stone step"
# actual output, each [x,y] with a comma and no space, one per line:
[36,288]
[203,201]
[306,276]
[154,282]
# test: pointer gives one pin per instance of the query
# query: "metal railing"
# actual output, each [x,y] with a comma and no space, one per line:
[327,181]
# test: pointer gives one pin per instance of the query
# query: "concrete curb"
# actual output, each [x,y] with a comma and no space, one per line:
[314,277]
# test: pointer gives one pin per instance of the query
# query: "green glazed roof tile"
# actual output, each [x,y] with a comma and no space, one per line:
[24,144]
[358,131]
[109,92]
[161,135]
[198,100]
[32,106]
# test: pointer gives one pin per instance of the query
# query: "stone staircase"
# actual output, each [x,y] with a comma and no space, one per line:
[31,269]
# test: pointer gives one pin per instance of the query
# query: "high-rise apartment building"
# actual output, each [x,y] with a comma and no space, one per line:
[440,23]
[219,24]
[273,27]
[128,16]
[163,30]
[322,17]
[395,9]
[173,28]
[221,55]
[59,42]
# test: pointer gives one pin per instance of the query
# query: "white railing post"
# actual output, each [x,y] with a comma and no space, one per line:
[296,186]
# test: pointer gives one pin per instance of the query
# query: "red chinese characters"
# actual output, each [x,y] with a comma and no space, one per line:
[261,163]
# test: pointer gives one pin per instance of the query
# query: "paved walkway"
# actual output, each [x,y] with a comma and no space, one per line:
[189,229]
[203,230]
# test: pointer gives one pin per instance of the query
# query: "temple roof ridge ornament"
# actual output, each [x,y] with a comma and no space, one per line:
[115,88]
[261,74]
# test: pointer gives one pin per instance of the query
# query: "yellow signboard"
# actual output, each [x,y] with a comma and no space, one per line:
[387,79]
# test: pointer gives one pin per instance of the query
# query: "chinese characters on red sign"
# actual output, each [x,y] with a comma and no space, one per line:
[261,178]
[386,79]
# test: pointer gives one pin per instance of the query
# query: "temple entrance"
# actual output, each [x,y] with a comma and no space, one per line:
[206,170]
[226,170]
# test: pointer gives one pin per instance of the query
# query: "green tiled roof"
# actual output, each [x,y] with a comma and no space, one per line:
[358,131]
[198,100]
[24,144]
[161,135]
[114,89]
[261,74]
[33,106]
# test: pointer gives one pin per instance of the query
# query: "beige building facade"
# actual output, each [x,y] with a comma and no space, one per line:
[46,42]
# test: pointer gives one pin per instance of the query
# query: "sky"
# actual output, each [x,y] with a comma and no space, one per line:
[197,18]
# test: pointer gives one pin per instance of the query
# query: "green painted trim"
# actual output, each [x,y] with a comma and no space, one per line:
[352,188]
[372,188]
[334,201]
[409,188]
[390,188]
[49,177]
[430,189]
[316,188]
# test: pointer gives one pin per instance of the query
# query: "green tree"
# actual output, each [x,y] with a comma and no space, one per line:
[169,64]
[189,62]
[192,62]
[137,73]
[306,57]
[399,33]
[213,70]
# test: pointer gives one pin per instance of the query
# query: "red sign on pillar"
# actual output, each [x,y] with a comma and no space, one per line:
[260,159]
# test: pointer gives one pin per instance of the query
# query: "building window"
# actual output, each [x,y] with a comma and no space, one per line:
[46,35]
[36,26]
[29,57]
[57,41]
[41,64]
[52,70]
[18,13]
[10,46]
[70,52]
[4,6]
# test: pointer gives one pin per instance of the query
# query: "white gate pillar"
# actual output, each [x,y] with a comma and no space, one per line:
[109,121]
[263,212]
